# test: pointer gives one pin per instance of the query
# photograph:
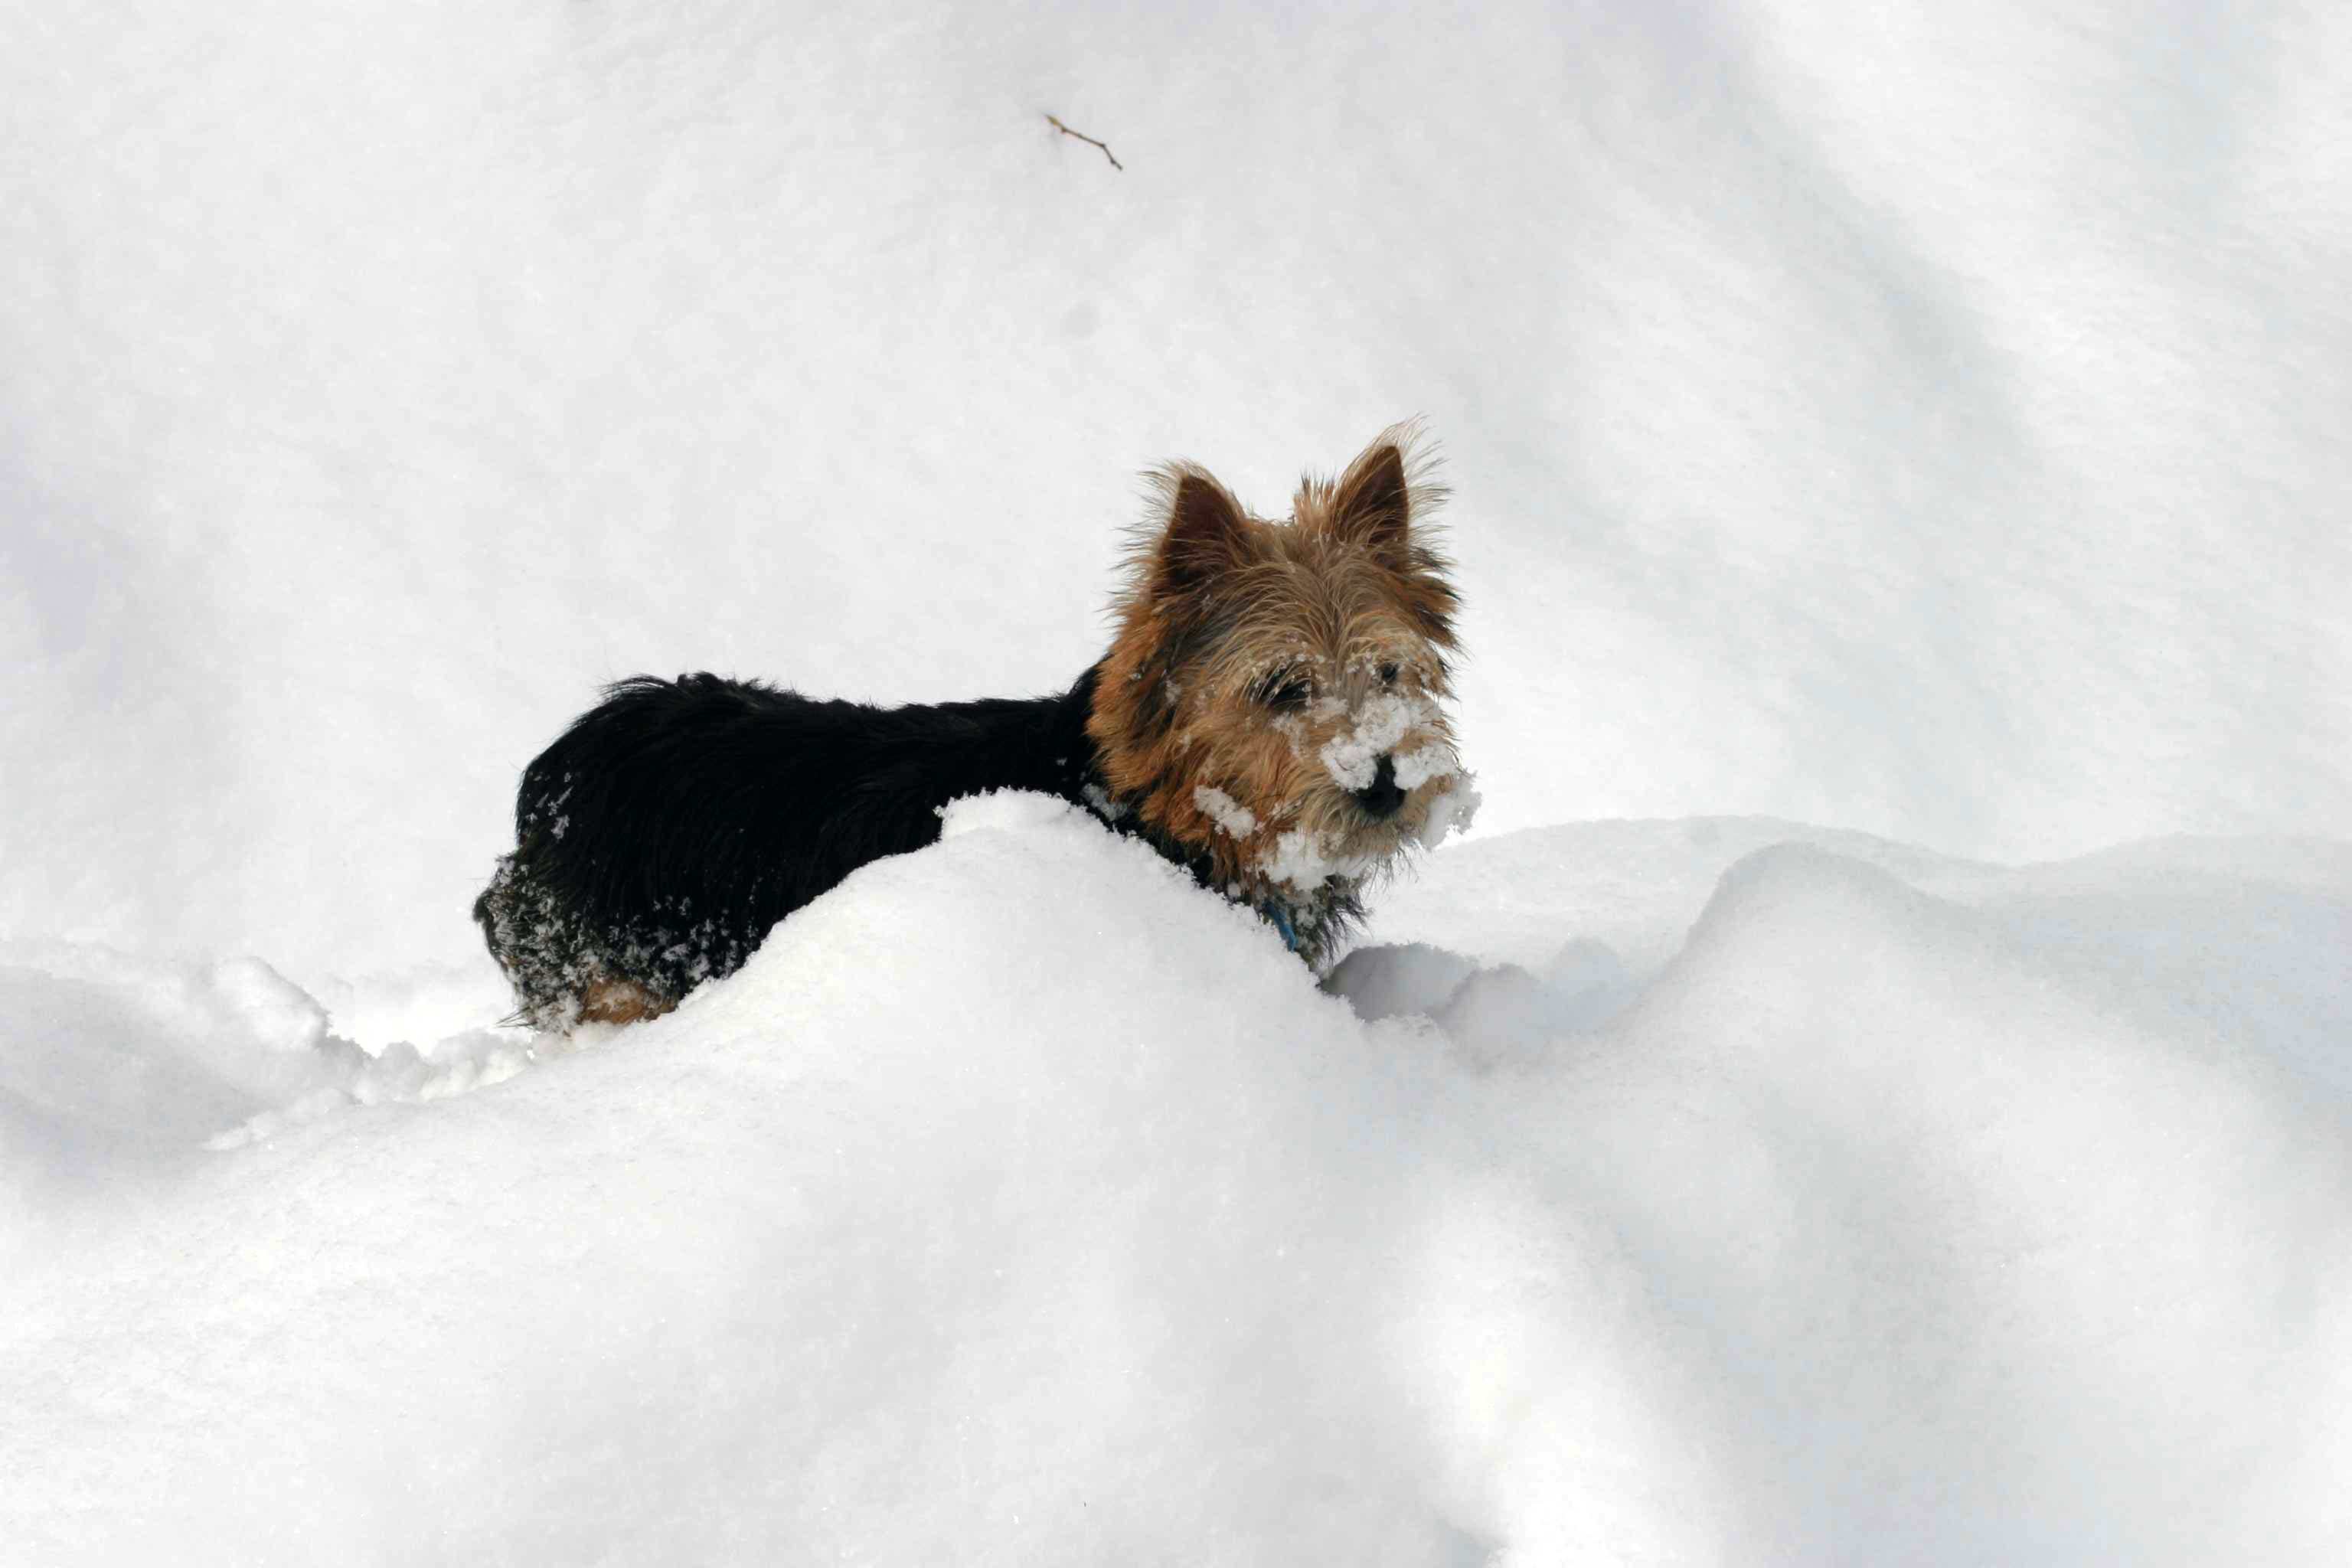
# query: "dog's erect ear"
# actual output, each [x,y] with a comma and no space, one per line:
[1372,505]
[1207,533]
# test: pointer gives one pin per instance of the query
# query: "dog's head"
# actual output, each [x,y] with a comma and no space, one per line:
[1273,699]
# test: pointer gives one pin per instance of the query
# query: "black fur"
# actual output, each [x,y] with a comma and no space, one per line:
[670,826]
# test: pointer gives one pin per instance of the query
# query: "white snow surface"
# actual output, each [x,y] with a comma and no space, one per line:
[1019,1202]
[1926,420]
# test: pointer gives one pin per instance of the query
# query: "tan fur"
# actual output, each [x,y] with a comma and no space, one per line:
[1218,604]
[619,1002]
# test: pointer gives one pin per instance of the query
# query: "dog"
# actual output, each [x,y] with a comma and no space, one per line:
[1269,716]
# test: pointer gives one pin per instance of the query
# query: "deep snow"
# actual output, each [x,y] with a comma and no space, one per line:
[1927,422]
[1019,1202]
[1924,421]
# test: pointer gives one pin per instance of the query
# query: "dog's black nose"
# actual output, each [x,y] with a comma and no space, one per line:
[1380,799]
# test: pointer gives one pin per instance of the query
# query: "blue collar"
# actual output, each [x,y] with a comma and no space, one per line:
[1282,922]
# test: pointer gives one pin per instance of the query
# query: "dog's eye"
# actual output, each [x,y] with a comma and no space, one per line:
[1284,690]
[1388,675]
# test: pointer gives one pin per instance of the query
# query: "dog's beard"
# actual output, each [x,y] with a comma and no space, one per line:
[1330,836]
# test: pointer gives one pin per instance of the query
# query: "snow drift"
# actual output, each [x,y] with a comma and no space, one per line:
[1923,420]
[1020,1203]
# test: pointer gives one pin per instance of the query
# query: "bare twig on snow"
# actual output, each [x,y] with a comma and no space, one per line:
[1086,139]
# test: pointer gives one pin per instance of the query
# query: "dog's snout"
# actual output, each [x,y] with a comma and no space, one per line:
[1381,799]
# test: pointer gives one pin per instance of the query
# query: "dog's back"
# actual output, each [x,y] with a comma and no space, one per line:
[670,826]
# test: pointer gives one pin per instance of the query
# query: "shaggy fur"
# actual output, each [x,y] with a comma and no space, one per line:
[1268,717]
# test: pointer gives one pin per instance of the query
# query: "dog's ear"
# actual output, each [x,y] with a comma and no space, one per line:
[1388,503]
[1371,505]
[1206,533]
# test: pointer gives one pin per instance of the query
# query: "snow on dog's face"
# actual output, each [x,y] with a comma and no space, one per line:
[1273,699]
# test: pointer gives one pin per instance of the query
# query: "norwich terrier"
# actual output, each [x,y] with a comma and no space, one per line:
[1268,717]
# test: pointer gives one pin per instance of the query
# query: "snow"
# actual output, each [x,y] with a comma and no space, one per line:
[1376,726]
[1926,424]
[1020,1203]
[1231,815]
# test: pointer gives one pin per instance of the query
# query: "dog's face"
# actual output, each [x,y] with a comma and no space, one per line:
[1273,698]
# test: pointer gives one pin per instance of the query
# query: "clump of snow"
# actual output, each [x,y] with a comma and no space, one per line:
[402,1074]
[999,811]
[1418,766]
[1099,801]
[1305,859]
[271,1009]
[1451,810]
[1374,729]
[1231,815]
[1019,1202]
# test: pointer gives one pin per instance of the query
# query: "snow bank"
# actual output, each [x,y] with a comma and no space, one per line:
[1924,420]
[111,1064]
[1018,1203]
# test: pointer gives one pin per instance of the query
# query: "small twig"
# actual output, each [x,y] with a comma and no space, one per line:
[1088,140]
